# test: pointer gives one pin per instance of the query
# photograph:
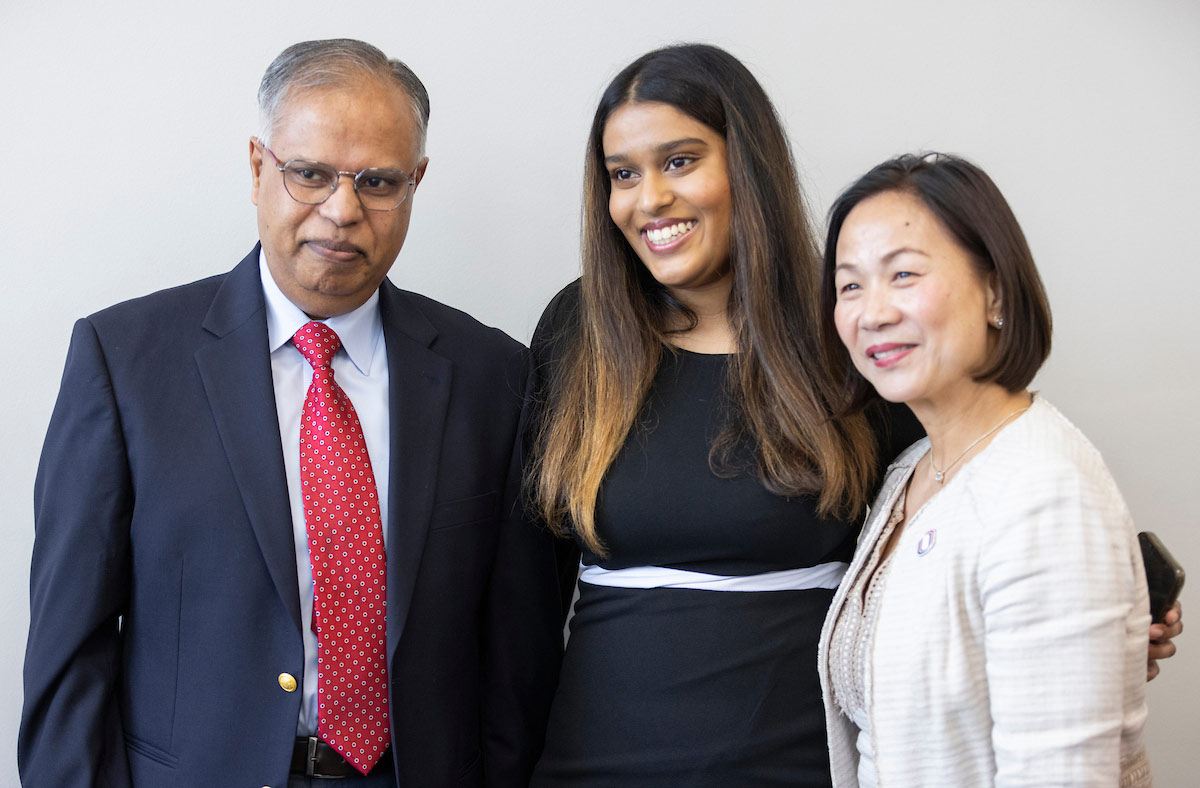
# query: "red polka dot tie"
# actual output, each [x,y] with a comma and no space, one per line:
[345,544]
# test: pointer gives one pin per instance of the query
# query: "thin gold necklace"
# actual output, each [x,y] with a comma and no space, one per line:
[940,476]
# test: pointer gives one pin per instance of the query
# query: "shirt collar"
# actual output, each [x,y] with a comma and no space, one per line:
[359,330]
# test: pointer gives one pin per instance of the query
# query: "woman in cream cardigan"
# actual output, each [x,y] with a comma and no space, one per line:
[946,658]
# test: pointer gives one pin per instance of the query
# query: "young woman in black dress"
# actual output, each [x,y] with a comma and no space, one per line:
[686,444]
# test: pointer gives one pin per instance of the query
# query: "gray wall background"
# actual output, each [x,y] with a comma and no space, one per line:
[124,141]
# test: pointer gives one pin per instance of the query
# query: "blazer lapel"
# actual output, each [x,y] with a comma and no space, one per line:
[236,371]
[419,392]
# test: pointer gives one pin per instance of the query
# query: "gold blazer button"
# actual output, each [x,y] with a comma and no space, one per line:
[288,682]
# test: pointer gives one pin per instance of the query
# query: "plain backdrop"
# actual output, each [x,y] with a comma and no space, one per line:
[124,140]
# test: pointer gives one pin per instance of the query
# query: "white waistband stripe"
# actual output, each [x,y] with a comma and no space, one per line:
[819,576]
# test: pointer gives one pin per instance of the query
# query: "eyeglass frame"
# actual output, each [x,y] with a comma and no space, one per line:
[354,176]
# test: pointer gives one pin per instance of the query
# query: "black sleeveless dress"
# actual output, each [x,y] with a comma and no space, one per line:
[681,687]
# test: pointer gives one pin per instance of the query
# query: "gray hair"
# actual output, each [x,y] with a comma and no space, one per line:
[334,62]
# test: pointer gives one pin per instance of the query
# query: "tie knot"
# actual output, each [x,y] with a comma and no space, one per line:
[317,342]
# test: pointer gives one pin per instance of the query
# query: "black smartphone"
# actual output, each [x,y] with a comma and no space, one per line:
[1164,575]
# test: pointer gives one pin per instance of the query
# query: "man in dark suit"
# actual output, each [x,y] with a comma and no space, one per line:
[198,593]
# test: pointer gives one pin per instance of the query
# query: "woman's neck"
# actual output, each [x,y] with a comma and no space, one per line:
[709,336]
[961,427]
[712,332]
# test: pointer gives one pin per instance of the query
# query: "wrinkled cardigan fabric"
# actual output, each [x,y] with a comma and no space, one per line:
[1010,647]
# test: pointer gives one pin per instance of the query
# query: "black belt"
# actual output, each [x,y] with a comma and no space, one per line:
[314,758]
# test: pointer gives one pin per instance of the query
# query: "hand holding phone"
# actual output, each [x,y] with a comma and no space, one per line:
[1164,575]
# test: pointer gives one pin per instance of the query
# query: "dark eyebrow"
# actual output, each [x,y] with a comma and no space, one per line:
[661,148]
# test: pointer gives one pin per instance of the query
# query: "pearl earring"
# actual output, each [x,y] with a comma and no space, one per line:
[999,321]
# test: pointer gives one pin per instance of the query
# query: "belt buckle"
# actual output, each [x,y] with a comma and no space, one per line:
[310,765]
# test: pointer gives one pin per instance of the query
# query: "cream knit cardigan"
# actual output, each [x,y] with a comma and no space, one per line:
[1011,651]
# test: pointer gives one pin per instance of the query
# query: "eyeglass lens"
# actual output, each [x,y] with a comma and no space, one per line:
[312,183]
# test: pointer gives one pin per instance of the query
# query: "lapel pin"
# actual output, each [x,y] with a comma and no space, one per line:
[927,542]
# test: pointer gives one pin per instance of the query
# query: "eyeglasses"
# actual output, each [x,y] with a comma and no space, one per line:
[312,183]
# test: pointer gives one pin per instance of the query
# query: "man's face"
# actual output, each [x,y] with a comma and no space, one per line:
[329,258]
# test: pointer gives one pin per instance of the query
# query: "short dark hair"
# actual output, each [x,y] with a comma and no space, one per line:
[970,206]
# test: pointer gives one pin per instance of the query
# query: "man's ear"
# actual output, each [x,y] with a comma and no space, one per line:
[419,172]
[256,161]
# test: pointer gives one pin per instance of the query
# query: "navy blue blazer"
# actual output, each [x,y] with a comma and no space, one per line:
[164,602]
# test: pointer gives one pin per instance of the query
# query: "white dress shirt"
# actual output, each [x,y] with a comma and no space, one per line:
[360,368]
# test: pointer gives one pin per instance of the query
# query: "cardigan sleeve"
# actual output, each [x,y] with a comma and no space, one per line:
[1065,623]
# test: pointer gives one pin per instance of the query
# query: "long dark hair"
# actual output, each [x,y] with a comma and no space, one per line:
[780,390]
